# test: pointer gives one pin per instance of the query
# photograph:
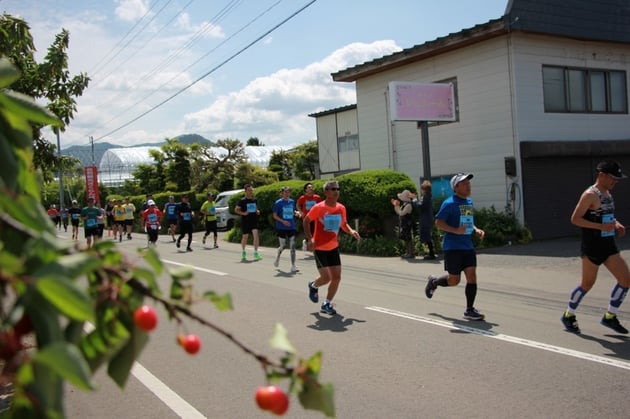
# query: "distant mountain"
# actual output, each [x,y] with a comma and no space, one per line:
[84,152]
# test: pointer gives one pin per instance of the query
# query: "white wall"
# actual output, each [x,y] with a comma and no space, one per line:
[477,143]
[531,52]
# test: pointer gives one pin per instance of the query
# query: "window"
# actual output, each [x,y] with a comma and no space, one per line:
[583,90]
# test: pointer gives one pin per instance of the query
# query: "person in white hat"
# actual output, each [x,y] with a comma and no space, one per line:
[455,219]
[404,208]
[151,218]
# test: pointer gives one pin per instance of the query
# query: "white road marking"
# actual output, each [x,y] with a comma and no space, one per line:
[210,271]
[178,405]
[506,338]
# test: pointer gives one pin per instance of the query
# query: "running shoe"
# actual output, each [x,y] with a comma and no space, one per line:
[189,249]
[203,241]
[570,323]
[276,262]
[327,308]
[216,246]
[304,248]
[614,324]
[294,269]
[178,244]
[313,293]
[243,256]
[430,288]
[257,256]
[473,314]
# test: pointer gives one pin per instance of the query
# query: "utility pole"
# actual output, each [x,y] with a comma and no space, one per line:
[92,142]
[61,203]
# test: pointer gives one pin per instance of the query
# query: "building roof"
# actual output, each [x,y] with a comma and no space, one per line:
[332,111]
[592,20]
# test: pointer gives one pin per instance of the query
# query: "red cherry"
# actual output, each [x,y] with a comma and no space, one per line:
[272,398]
[145,318]
[192,344]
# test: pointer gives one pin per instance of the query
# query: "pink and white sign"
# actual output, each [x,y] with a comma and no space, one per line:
[421,101]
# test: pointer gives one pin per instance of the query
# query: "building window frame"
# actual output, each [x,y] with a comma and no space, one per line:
[584,90]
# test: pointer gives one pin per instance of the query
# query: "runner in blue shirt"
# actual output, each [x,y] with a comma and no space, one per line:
[171,215]
[455,219]
[284,215]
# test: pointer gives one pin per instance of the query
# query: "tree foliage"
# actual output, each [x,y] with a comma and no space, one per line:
[56,290]
[49,80]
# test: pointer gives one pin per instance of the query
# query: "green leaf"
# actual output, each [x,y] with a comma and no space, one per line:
[181,273]
[120,366]
[8,72]
[280,341]
[153,259]
[149,277]
[66,360]
[25,107]
[221,302]
[315,396]
[66,297]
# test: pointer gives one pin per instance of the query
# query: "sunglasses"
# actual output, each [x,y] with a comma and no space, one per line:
[332,189]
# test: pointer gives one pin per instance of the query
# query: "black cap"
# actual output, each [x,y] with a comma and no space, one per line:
[612,168]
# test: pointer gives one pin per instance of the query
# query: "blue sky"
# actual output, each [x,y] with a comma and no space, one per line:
[143,53]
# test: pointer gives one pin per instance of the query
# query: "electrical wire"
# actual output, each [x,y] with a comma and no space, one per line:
[212,70]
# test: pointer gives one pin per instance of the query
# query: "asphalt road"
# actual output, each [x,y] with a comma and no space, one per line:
[390,352]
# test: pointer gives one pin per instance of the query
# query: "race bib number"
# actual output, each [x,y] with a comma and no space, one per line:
[153,226]
[309,205]
[287,213]
[213,211]
[251,207]
[186,216]
[90,223]
[468,221]
[608,219]
[332,223]
[152,218]
[75,216]
[171,210]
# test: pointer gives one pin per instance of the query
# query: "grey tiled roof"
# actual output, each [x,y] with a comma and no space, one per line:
[593,20]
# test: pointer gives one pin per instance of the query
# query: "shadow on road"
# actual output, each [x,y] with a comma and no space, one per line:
[336,323]
[468,326]
[565,247]
[619,349]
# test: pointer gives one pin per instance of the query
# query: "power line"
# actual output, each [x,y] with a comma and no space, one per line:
[239,52]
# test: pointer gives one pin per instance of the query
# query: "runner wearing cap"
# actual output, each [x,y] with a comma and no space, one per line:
[151,219]
[209,213]
[455,218]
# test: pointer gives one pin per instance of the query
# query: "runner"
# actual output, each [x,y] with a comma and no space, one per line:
[329,217]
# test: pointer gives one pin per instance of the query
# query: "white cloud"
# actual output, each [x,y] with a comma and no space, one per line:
[275,108]
[131,10]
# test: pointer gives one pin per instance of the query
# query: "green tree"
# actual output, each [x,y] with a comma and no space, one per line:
[305,161]
[280,164]
[254,142]
[177,164]
[211,171]
[257,176]
[53,290]
[49,80]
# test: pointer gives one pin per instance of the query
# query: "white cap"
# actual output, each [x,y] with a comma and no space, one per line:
[459,177]
[150,202]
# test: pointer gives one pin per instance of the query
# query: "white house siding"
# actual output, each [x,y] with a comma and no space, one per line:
[478,142]
[531,52]
[327,143]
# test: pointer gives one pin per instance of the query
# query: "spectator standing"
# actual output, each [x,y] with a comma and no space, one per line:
[455,218]
[284,215]
[209,213]
[404,209]
[425,204]
[329,217]
[185,216]
[248,209]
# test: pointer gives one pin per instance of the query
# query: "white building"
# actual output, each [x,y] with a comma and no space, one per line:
[118,164]
[541,96]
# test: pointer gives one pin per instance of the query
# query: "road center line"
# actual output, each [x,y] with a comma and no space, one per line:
[210,271]
[506,338]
